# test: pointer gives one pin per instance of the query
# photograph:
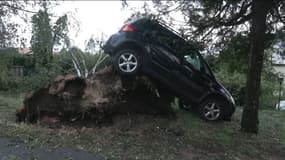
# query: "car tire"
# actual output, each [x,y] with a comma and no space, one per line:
[127,62]
[212,109]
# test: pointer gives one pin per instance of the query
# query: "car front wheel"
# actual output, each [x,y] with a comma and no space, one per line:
[212,109]
[127,62]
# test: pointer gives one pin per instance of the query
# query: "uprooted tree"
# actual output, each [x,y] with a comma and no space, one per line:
[93,46]
[71,98]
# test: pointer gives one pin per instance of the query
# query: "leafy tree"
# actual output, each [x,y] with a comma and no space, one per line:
[60,32]
[42,38]
[215,22]
[10,58]
[46,36]
[8,29]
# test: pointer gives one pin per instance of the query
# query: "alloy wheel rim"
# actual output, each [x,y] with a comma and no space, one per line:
[211,111]
[127,62]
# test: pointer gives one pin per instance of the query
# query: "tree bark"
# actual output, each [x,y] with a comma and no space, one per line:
[260,9]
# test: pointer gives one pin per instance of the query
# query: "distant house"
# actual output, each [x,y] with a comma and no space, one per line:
[25,51]
[28,51]
[19,70]
[280,70]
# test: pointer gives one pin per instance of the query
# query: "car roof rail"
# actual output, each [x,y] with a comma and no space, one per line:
[171,29]
[161,23]
[177,34]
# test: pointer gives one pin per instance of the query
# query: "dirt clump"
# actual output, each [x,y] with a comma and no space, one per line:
[71,98]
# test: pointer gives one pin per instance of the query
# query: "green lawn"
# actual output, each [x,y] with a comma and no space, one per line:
[152,138]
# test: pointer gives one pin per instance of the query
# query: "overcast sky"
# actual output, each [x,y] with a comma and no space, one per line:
[95,17]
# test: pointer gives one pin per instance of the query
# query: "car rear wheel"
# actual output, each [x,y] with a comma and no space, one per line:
[212,109]
[127,62]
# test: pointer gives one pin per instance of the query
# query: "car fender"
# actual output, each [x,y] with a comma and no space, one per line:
[136,45]
[210,94]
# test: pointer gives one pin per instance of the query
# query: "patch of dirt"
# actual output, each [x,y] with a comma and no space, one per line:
[189,154]
[97,98]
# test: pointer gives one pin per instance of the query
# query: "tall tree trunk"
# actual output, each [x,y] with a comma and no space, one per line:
[260,10]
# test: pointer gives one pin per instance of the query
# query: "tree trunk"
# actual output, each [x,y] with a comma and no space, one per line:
[260,10]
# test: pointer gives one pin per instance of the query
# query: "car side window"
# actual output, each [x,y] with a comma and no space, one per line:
[194,59]
[164,37]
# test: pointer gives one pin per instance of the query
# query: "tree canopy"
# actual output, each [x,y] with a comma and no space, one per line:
[42,38]
[8,28]
[46,35]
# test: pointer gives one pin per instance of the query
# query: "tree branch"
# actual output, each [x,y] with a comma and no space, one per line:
[17,8]
[76,65]
[279,16]
[236,19]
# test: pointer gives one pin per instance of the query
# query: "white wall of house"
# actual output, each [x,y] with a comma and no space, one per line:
[280,68]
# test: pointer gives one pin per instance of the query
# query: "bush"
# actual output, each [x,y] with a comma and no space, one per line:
[234,82]
[37,76]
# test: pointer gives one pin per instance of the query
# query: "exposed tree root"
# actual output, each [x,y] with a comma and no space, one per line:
[71,98]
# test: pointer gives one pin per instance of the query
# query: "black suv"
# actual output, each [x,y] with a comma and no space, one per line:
[148,46]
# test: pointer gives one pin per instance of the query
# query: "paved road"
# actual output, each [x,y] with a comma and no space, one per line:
[11,149]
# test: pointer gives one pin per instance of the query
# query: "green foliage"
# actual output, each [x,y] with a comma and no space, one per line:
[9,58]
[60,31]
[235,54]
[230,67]
[64,59]
[42,38]
[43,66]
[234,82]
[34,78]
[46,36]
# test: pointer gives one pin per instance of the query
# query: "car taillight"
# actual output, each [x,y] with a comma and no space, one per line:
[128,28]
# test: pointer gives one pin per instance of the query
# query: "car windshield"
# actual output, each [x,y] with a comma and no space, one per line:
[194,58]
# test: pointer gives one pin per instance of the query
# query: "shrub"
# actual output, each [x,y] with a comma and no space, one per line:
[36,76]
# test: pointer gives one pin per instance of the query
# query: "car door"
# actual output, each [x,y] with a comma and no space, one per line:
[191,76]
[163,57]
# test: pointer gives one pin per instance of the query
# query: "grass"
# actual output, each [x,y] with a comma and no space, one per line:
[8,105]
[148,137]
